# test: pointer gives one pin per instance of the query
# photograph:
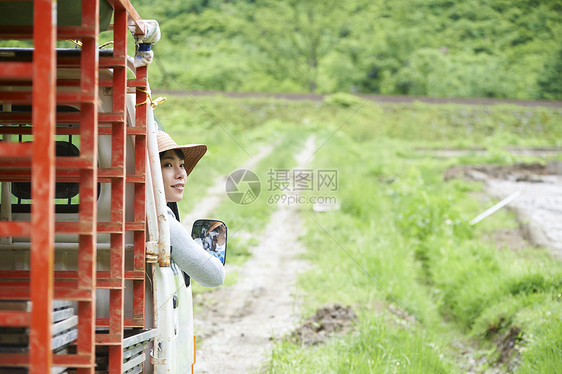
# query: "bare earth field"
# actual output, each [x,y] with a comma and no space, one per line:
[538,206]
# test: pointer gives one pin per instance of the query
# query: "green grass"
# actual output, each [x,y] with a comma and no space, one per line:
[378,346]
[401,239]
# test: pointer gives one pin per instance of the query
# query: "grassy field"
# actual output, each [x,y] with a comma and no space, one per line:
[432,293]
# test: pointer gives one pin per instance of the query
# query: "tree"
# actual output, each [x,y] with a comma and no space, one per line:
[294,36]
[550,83]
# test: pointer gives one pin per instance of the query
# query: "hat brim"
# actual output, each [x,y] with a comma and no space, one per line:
[192,152]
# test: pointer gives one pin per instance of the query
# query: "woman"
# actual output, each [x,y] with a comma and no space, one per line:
[177,162]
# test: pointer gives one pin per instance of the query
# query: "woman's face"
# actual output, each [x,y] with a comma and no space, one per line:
[174,176]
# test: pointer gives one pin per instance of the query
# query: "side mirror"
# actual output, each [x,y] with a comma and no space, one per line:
[212,235]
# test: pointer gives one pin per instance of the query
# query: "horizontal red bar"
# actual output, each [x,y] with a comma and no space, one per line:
[83,228]
[111,117]
[80,228]
[73,360]
[76,82]
[136,82]
[80,162]
[64,175]
[69,274]
[14,318]
[16,70]
[75,32]
[102,130]
[67,360]
[15,150]
[18,155]
[15,228]
[136,130]
[14,293]
[73,294]
[12,81]
[136,178]
[111,172]
[69,97]
[63,97]
[24,283]
[61,119]
[135,226]
[23,228]
[115,228]
[14,359]
[110,284]
[127,322]
[111,228]
[112,62]
[17,292]
[63,32]
[105,62]
[109,339]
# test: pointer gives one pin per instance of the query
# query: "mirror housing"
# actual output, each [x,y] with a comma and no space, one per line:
[211,234]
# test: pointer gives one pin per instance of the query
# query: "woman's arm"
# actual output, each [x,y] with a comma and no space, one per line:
[200,265]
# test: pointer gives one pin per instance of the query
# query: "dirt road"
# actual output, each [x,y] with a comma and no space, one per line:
[237,324]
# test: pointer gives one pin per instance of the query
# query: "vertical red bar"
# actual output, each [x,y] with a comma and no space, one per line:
[42,182]
[139,257]
[118,160]
[89,64]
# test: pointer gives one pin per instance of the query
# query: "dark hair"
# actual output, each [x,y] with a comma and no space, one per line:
[178,152]
[174,207]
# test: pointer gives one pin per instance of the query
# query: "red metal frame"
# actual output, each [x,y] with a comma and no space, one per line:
[139,252]
[117,260]
[85,344]
[42,182]
[36,162]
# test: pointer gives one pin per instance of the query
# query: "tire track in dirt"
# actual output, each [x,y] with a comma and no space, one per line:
[237,324]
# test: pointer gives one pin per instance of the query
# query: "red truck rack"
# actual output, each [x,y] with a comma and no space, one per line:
[34,82]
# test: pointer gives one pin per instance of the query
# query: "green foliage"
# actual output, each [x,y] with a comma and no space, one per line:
[436,48]
[399,250]
[378,347]
[293,37]
[550,83]
[344,100]
[544,354]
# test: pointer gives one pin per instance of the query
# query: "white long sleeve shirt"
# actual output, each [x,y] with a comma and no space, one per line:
[203,267]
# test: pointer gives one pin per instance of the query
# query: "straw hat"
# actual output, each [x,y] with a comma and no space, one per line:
[215,225]
[192,152]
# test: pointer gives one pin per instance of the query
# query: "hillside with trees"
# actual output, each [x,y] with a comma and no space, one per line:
[440,48]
